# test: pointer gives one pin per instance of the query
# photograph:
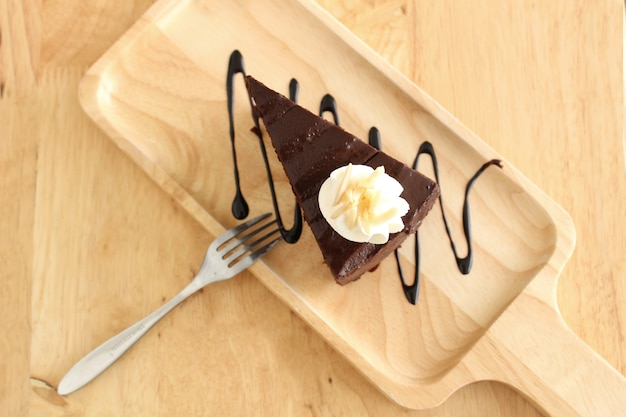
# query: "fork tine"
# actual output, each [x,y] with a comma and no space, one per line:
[238,251]
[231,233]
[246,261]
[230,246]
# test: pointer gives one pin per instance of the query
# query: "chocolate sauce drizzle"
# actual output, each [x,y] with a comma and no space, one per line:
[328,104]
[240,207]
[464,264]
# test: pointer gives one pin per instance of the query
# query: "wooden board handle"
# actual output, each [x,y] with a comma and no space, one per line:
[531,349]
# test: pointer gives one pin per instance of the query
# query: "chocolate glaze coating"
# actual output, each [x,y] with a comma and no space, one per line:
[310,148]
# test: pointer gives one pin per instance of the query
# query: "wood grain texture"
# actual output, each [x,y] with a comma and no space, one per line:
[18,166]
[86,225]
[18,161]
[462,323]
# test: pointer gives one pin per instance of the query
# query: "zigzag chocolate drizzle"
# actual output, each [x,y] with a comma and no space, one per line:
[328,104]
[240,207]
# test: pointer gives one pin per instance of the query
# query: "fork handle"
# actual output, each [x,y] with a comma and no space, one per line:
[99,359]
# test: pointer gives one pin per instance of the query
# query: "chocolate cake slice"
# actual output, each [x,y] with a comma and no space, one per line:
[310,148]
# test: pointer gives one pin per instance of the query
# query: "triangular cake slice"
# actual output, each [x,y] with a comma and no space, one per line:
[310,148]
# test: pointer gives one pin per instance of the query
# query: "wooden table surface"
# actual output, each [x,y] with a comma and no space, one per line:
[541,82]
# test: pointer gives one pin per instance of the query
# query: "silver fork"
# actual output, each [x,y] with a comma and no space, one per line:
[232,252]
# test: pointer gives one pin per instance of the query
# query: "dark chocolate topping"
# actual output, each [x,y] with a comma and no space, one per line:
[310,148]
[348,257]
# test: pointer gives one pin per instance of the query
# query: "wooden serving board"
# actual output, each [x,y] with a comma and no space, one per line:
[159,93]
